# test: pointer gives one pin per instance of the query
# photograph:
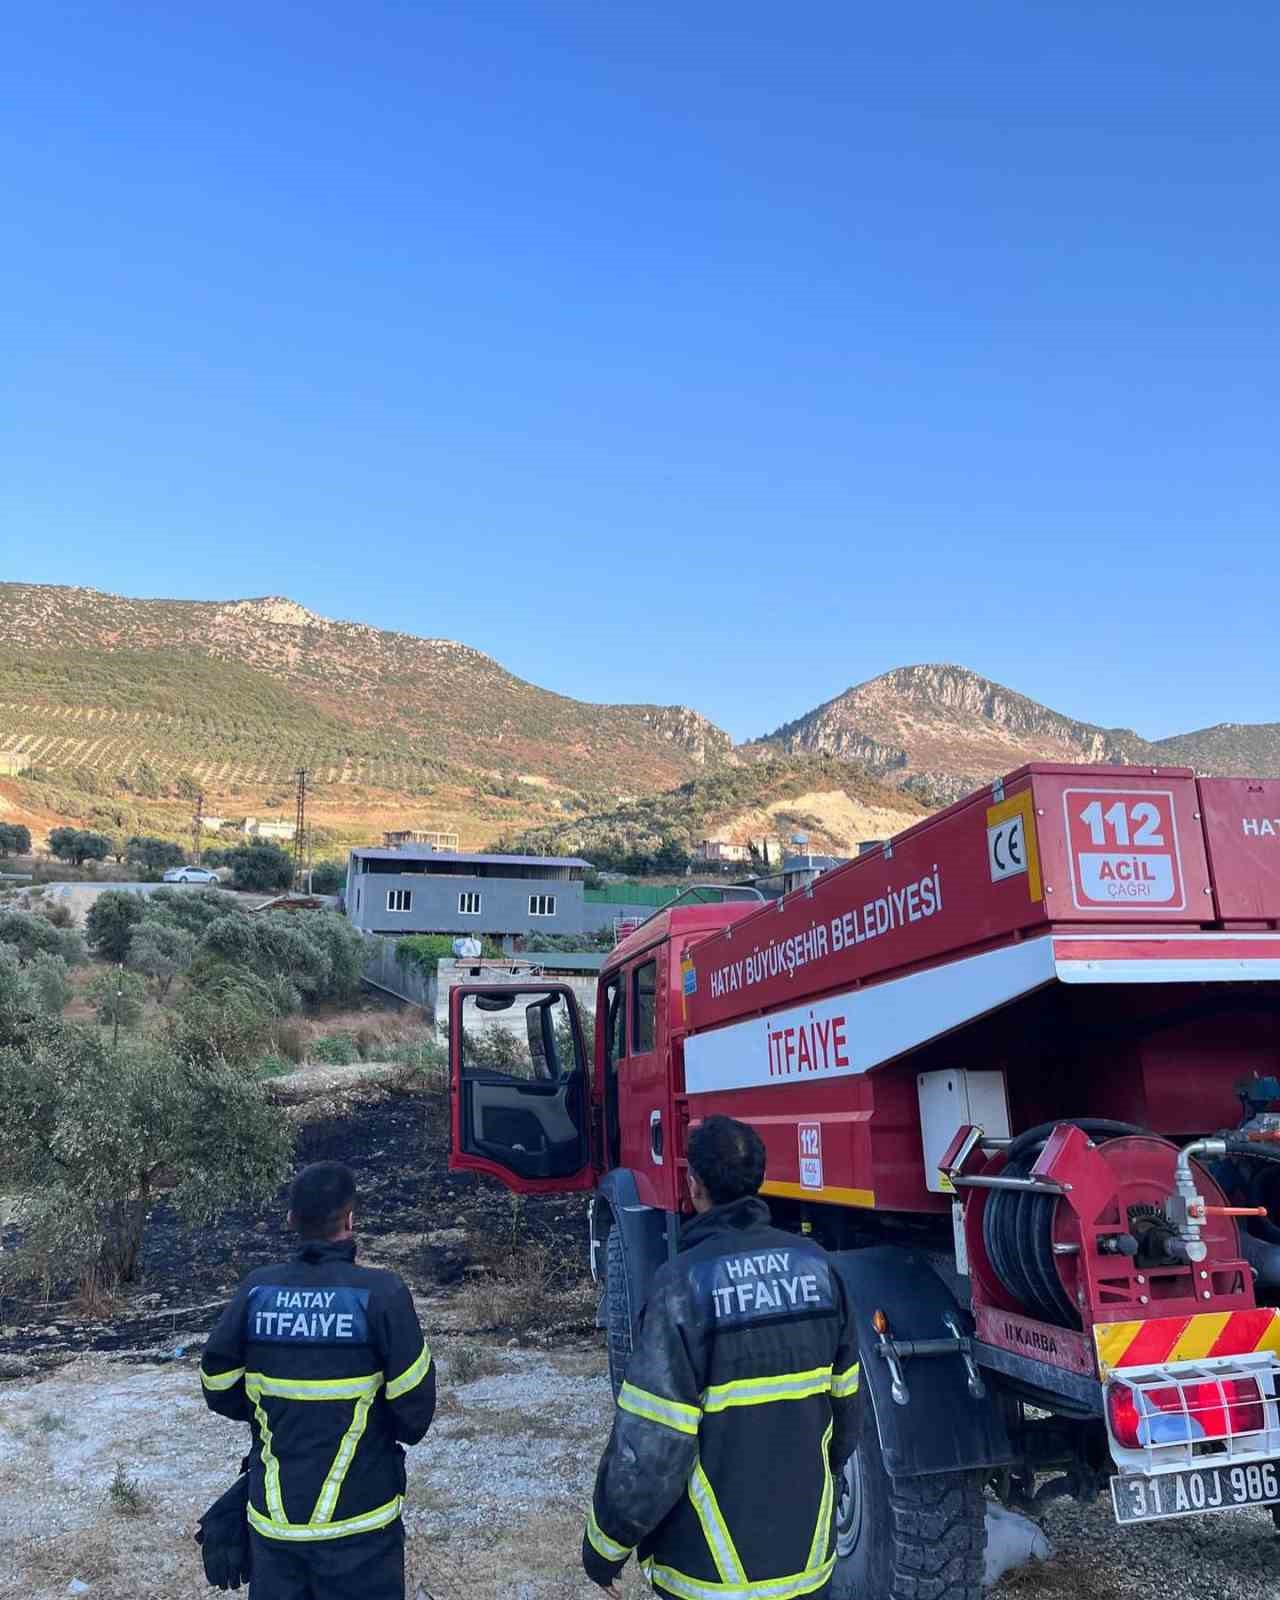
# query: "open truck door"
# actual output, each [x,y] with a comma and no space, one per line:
[520,1088]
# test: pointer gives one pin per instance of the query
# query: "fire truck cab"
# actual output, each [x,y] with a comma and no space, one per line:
[1019,1070]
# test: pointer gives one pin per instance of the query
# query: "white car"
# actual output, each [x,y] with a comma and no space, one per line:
[190,875]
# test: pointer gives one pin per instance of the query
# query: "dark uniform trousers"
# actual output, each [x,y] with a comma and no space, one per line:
[326,1362]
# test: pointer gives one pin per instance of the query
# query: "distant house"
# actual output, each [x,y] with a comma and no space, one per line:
[722,853]
[721,850]
[269,828]
[431,837]
[417,889]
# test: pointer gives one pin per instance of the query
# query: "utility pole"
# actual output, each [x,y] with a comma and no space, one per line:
[197,828]
[299,829]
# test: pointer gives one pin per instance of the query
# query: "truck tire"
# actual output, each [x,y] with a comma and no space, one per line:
[617,1301]
[906,1538]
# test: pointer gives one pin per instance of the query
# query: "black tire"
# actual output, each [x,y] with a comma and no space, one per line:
[617,1308]
[906,1538]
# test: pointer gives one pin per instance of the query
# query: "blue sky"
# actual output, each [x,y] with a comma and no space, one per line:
[704,353]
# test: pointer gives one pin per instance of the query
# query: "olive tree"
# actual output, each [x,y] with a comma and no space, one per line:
[112,918]
[160,951]
[91,1132]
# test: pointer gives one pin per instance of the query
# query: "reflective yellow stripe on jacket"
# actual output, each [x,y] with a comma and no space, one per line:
[363,1390]
[600,1541]
[657,1408]
[761,1391]
[219,1381]
[411,1377]
[789,1588]
[367,1522]
[845,1383]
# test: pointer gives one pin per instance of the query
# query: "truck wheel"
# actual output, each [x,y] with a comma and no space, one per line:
[906,1538]
[617,1300]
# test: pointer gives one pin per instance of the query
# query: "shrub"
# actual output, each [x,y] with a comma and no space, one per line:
[112,918]
[160,952]
[194,912]
[117,997]
[328,877]
[89,1129]
[154,855]
[30,935]
[56,914]
[262,865]
[79,845]
[126,1494]
[229,1020]
[15,840]
[48,976]
[335,1050]
[289,1038]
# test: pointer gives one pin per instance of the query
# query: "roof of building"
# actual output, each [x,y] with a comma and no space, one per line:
[381,853]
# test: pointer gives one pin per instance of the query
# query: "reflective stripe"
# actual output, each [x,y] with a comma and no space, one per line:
[332,1485]
[822,1532]
[714,1528]
[757,1589]
[218,1381]
[411,1377]
[270,1466]
[654,1408]
[843,1384]
[601,1543]
[278,1528]
[760,1391]
[258,1383]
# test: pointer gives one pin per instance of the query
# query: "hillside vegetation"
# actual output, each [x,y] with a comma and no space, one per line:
[834,804]
[91,677]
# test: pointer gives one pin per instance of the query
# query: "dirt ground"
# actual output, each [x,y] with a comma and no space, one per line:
[497,1491]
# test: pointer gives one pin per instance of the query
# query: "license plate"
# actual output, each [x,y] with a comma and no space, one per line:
[1184,1494]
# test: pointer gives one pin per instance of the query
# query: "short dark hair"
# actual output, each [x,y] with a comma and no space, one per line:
[728,1157]
[320,1196]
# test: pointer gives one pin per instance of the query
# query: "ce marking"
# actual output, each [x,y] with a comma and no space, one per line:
[1006,848]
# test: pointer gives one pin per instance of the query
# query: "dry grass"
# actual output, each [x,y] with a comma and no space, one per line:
[525,1290]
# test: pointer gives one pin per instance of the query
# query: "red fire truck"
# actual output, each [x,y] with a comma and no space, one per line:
[1017,1068]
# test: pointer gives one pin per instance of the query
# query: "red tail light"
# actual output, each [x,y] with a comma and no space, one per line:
[1180,1414]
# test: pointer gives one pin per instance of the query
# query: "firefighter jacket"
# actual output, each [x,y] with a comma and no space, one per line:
[327,1362]
[740,1403]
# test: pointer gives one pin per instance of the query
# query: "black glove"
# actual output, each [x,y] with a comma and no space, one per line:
[596,1567]
[223,1537]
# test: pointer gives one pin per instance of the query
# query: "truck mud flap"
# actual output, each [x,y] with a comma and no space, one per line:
[942,1427]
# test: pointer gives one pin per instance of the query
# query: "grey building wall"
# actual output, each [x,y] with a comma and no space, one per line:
[504,904]
[403,978]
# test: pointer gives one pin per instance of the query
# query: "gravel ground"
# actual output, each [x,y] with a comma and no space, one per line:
[495,1493]
[1232,1556]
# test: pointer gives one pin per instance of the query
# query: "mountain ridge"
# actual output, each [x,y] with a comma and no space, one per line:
[939,730]
[126,709]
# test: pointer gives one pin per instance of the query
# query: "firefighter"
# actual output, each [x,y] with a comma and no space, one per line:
[739,1408]
[327,1362]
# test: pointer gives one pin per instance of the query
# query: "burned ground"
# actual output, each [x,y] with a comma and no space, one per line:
[438,1229]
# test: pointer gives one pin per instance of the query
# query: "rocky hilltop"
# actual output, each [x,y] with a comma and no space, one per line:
[939,730]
